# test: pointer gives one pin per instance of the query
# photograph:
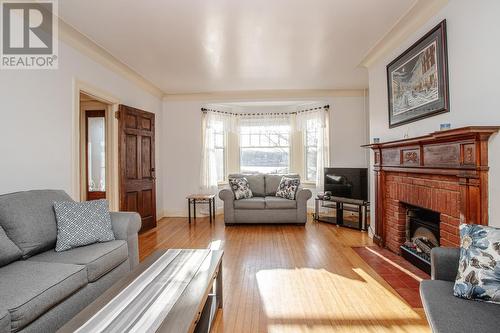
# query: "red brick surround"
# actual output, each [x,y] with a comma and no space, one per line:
[434,192]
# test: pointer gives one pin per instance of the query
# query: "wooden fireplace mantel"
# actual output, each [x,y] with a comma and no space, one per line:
[460,154]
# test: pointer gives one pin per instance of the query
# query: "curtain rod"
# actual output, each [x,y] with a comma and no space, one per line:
[326,107]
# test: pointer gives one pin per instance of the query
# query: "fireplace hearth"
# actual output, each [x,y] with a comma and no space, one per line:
[422,234]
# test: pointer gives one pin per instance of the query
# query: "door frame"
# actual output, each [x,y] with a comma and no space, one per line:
[78,153]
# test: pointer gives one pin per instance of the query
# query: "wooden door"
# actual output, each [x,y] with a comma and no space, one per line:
[137,164]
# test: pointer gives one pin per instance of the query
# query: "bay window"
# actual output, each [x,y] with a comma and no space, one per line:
[276,143]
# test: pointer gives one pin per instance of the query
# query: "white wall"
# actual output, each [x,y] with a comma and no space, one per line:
[473,53]
[182,144]
[36,117]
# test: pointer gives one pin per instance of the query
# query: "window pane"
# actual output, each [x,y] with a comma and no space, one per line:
[266,150]
[264,160]
[245,140]
[274,140]
[219,161]
[284,140]
[311,163]
[254,140]
[311,138]
[96,154]
[219,140]
[264,140]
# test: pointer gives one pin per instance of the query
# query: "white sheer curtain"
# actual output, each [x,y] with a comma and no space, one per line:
[211,122]
[271,122]
[317,120]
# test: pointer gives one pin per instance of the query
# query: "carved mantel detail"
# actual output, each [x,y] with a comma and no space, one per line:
[456,157]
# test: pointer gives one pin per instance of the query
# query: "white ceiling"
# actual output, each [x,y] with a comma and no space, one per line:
[191,46]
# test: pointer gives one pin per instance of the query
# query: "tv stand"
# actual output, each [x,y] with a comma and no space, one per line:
[337,203]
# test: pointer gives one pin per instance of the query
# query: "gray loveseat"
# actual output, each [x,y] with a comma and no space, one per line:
[264,207]
[447,313]
[41,289]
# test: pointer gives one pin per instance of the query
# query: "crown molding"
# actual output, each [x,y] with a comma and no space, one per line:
[79,41]
[264,94]
[407,24]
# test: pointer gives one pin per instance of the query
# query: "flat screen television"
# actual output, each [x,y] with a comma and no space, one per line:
[347,182]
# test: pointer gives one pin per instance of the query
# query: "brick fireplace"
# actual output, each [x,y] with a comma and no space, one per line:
[444,172]
[434,192]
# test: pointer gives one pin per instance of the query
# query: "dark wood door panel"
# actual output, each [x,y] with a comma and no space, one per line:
[137,164]
[146,157]
[131,153]
[147,207]
[132,201]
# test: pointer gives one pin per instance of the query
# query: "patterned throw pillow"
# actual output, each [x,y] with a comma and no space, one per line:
[82,223]
[288,188]
[240,188]
[478,275]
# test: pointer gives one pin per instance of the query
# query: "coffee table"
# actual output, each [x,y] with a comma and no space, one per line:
[171,291]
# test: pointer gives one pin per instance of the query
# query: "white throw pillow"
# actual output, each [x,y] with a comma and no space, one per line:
[240,188]
[288,187]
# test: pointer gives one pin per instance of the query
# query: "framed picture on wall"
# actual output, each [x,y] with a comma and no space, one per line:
[417,80]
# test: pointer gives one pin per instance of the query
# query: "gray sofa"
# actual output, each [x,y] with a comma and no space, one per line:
[41,289]
[264,206]
[447,313]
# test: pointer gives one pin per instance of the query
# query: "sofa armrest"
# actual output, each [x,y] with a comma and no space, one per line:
[227,196]
[444,263]
[126,226]
[303,194]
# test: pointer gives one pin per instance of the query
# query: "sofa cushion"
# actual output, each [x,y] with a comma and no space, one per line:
[251,203]
[280,203]
[29,289]
[82,223]
[255,181]
[447,313]
[273,182]
[4,321]
[288,188]
[9,251]
[241,188]
[479,266]
[28,219]
[99,258]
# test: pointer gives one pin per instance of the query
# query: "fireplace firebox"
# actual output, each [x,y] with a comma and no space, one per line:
[422,234]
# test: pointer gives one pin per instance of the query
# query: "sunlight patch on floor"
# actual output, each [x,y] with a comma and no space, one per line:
[315,300]
[419,279]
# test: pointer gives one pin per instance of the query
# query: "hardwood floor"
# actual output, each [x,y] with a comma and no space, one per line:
[292,278]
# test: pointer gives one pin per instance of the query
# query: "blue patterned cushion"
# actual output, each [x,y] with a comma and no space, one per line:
[240,188]
[478,275]
[82,223]
[288,188]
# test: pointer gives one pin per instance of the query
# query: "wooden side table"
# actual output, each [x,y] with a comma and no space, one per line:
[209,199]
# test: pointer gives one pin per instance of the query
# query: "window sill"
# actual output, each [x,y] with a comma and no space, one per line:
[222,184]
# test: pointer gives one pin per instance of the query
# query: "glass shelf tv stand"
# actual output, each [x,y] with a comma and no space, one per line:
[332,211]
